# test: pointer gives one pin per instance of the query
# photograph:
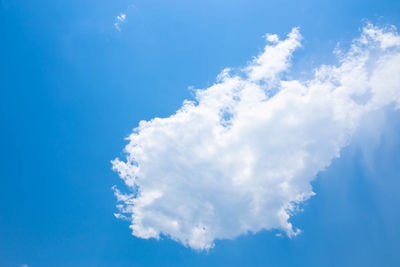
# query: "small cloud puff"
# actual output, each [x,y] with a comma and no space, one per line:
[241,158]
[273,38]
[119,20]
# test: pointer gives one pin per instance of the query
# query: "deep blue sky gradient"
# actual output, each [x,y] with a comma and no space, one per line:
[72,87]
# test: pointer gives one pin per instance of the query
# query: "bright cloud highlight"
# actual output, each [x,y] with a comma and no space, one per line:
[240,158]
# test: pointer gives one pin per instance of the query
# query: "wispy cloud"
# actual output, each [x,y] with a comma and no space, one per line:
[241,157]
[119,20]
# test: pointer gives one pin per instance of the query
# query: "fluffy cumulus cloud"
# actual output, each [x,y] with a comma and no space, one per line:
[241,156]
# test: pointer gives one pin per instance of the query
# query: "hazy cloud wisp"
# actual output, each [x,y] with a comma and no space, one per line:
[119,20]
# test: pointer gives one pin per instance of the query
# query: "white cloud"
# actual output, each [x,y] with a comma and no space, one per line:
[241,157]
[118,20]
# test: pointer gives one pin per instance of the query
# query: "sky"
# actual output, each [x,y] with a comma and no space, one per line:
[76,77]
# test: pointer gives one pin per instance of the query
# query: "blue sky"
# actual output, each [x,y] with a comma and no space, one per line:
[73,87]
